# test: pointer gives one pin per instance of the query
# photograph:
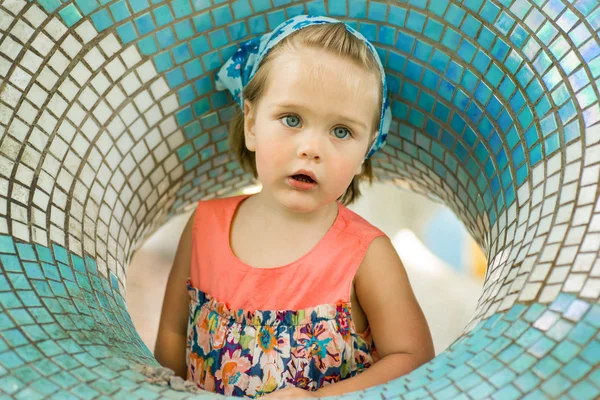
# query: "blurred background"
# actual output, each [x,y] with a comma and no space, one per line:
[445,266]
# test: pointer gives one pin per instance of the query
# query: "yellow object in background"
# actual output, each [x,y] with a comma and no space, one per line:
[478,259]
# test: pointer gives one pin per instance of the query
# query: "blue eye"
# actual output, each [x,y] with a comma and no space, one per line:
[291,120]
[341,132]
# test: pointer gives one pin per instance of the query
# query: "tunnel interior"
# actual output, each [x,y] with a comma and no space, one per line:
[110,125]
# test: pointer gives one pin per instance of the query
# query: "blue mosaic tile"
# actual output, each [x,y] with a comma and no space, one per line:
[415,21]
[144,24]
[257,25]
[184,30]
[222,15]
[166,38]
[120,11]
[101,19]
[86,7]
[316,7]
[70,15]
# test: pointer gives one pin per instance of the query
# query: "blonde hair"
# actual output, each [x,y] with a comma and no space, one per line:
[334,38]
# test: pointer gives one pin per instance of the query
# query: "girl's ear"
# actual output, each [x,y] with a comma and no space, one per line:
[359,170]
[249,120]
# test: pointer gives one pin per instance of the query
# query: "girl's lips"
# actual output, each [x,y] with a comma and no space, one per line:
[307,173]
[296,184]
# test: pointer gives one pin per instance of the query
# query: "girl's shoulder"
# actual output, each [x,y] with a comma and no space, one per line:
[217,211]
[220,201]
[216,204]
[356,225]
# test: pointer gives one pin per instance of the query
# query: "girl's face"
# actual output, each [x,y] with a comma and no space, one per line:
[316,114]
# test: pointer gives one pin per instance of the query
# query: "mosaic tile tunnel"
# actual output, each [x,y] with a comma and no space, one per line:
[110,125]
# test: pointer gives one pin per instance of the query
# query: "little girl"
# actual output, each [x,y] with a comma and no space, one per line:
[289,289]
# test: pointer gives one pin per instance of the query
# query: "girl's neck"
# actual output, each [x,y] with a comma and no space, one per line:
[268,206]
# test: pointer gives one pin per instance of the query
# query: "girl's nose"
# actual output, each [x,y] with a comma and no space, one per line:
[309,146]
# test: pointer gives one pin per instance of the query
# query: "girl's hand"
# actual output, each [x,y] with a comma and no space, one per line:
[292,393]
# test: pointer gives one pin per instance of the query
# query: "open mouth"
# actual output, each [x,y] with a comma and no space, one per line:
[303,178]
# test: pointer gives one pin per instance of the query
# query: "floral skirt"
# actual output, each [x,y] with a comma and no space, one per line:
[252,353]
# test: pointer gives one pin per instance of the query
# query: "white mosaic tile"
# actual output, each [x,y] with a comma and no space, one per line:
[102,112]
[36,94]
[549,293]
[80,145]
[116,127]
[146,71]
[10,95]
[169,104]
[55,29]
[592,134]
[88,98]
[572,172]
[538,195]
[94,58]
[592,155]
[549,253]
[153,115]
[138,129]
[5,66]
[115,69]
[42,44]
[129,114]
[69,89]
[568,193]
[47,78]
[22,31]
[549,205]
[35,16]
[159,88]
[582,215]
[100,83]
[10,48]
[590,175]
[130,83]
[131,56]
[567,255]
[574,283]
[594,225]
[38,139]
[81,73]
[67,131]
[72,163]
[58,62]
[14,6]
[90,128]
[587,195]
[18,130]
[591,289]
[552,185]
[76,114]
[595,272]
[27,112]
[9,146]
[20,78]
[115,97]
[5,20]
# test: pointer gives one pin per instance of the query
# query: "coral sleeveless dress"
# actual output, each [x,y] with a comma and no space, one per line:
[252,331]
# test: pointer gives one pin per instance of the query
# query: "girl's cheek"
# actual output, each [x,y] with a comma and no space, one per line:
[270,155]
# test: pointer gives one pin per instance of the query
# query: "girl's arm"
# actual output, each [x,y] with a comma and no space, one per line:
[172,329]
[398,326]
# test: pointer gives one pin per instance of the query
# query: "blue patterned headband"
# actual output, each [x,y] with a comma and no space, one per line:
[242,66]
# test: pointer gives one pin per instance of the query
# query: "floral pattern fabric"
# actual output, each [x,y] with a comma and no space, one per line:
[251,353]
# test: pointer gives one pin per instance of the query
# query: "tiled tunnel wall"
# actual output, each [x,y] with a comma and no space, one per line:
[110,125]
